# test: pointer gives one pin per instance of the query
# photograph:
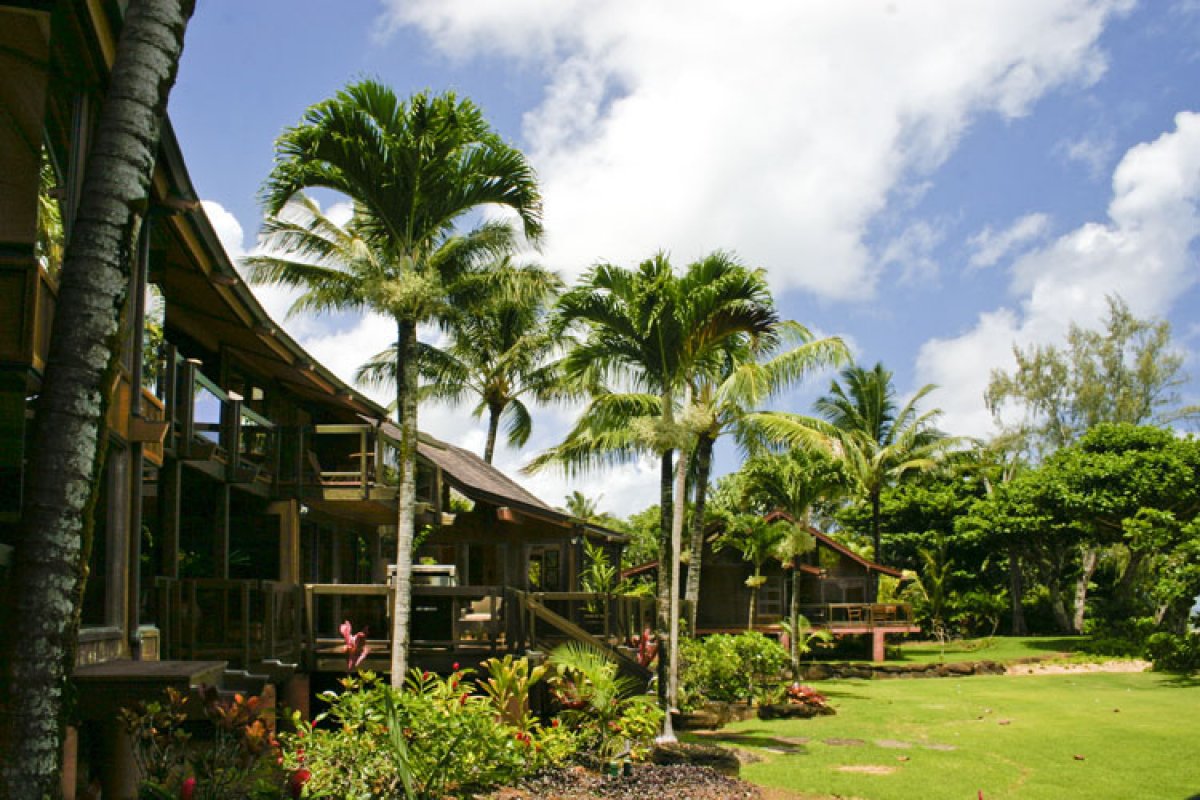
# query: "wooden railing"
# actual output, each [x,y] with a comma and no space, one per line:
[612,618]
[859,615]
[240,621]
[209,423]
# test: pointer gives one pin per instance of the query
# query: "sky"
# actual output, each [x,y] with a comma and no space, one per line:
[934,182]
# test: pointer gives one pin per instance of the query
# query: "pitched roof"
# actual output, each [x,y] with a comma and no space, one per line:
[480,481]
[833,544]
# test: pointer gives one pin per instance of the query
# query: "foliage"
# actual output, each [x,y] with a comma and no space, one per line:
[238,761]
[507,686]
[757,539]
[801,695]
[603,708]
[432,739]
[729,669]
[1126,373]
[1174,653]
[801,637]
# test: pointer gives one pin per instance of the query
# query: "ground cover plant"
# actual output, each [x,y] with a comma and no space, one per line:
[1096,735]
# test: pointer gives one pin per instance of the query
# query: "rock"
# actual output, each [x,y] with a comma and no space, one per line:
[963,668]
[700,720]
[817,672]
[720,759]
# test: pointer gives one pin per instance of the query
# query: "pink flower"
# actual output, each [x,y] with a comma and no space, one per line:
[188,789]
[355,647]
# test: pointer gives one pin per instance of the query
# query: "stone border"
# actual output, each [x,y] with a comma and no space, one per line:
[843,670]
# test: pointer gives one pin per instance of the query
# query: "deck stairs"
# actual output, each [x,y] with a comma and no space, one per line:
[553,629]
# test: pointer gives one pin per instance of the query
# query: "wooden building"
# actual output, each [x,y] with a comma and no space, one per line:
[245,508]
[838,591]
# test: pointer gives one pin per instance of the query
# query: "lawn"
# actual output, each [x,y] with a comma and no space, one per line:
[995,648]
[1095,736]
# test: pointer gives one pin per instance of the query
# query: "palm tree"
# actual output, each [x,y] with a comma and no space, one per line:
[500,351]
[757,539]
[413,169]
[647,331]
[41,602]
[792,483]
[880,443]
[722,402]
[876,441]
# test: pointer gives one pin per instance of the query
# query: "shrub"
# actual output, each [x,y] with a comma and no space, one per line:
[238,761]
[434,738]
[605,710]
[1174,653]
[729,669]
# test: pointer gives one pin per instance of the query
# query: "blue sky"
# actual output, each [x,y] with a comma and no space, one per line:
[933,181]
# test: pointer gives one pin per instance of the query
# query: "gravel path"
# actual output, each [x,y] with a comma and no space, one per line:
[648,781]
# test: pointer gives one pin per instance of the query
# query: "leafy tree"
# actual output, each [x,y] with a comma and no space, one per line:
[500,352]
[1130,491]
[1127,372]
[413,169]
[67,453]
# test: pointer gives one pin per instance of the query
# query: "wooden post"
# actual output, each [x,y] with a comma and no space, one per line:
[186,406]
[231,434]
[170,478]
[221,532]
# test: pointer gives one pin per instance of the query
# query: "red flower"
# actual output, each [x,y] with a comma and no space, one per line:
[188,789]
[454,666]
[297,780]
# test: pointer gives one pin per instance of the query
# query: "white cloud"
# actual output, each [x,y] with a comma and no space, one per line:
[1095,153]
[912,252]
[1144,252]
[990,246]
[778,130]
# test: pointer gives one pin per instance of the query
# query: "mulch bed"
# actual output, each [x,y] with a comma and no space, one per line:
[677,782]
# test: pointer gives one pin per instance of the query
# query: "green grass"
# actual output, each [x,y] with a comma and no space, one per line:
[996,648]
[1012,737]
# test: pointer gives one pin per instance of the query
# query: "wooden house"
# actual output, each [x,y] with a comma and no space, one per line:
[838,591]
[245,508]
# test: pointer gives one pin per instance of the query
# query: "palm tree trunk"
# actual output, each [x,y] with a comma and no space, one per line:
[677,519]
[489,449]
[406,493]
[662,620]
[753,605]
[704,448]
[45,587]
[875,526]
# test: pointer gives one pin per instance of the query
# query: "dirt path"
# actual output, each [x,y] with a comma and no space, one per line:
[1133,665]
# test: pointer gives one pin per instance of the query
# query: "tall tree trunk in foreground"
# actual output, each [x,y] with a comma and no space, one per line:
[704,449]
[406,493]
[678,510]
[45,590]
[662,621]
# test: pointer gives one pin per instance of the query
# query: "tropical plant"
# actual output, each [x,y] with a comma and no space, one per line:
[722,402]
[499,353]
[507,686]
[730,669]
[792,483]
[757,540]
[413,169]
[801,636]
[605,709]
[647,332]
[68,445]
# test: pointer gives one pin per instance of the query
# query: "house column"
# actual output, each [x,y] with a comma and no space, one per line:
[221,531]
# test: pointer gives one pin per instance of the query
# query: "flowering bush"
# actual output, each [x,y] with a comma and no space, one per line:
[437,737]
[798,694]
[240,760]
[728,669]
